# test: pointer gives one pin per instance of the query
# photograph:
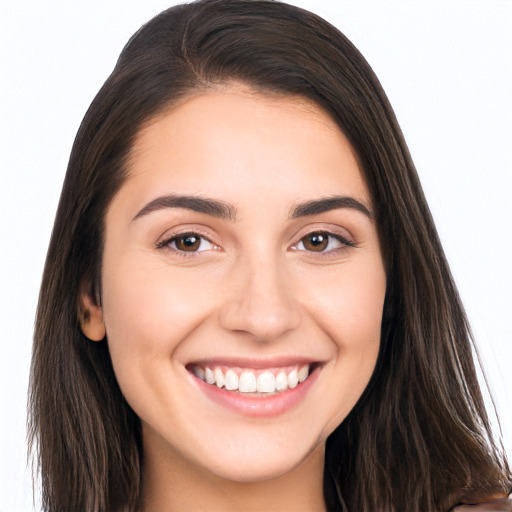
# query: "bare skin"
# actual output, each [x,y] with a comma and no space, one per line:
[299,490]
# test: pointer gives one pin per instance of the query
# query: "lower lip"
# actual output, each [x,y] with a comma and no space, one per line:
[258,406]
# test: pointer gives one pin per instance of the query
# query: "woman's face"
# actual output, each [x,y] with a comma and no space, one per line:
[241,253]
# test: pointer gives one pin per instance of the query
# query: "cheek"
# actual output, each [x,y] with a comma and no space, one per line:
[349,311]
[349,306]
[148,311]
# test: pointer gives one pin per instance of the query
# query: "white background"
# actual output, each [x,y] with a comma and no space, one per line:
[445,65]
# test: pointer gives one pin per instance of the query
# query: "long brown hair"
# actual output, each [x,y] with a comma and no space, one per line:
[419,437]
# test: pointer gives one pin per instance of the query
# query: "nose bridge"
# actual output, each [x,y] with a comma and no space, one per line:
[260,302]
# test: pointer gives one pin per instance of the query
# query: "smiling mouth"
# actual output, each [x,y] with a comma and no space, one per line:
[251,382]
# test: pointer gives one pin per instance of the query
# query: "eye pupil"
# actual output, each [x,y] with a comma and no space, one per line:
[188,242]
[316,242]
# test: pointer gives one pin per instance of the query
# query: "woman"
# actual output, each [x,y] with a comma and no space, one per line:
[245,303]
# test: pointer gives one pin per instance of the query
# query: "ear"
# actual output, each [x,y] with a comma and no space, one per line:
[91,318]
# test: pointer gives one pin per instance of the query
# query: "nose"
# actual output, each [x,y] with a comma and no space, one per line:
[260,302]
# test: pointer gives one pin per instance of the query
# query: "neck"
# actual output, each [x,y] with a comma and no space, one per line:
[172,484]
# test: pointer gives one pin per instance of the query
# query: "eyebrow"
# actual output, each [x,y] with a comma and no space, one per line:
[199,204]
[226,211]
[327,204]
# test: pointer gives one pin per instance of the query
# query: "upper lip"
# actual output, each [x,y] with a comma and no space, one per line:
[256,364]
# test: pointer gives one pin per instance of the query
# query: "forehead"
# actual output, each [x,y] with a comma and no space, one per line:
[237,142]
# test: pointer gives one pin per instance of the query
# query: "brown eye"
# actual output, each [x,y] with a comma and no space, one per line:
[187,242]
[317,242]
[323,242]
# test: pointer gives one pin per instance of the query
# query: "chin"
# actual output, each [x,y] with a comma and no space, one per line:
[253,469]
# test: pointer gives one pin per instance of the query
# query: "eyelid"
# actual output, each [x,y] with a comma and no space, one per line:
[342,233]
[166,239]
[341,239]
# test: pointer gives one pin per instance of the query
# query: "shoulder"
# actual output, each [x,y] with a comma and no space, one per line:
[499,505]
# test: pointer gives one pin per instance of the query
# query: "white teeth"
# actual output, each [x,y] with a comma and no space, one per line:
[231,382]
[265,383]
[281,382]
[303,373]
[293,379]
[247,382]
[209,377]
[219,377]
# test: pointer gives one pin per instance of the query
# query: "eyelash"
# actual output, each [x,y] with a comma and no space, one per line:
[331,238]
[169,242]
